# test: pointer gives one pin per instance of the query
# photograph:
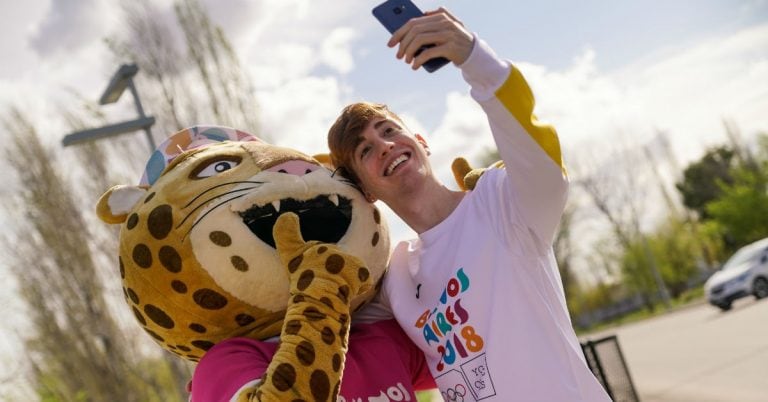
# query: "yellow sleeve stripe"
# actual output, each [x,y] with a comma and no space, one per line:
[517,98]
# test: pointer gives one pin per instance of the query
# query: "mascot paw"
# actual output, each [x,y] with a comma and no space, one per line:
[318,269]
[466,177]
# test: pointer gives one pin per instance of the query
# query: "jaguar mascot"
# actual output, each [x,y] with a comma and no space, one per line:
[250,259]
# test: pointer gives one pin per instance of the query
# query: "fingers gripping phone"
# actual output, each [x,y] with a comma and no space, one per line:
[395,13]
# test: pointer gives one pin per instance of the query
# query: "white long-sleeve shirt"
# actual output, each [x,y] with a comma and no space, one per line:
[480,293]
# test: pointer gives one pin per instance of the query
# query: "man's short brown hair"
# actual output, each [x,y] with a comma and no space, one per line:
[344,134]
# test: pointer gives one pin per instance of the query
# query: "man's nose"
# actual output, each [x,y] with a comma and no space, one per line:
[384,147]
[294,167]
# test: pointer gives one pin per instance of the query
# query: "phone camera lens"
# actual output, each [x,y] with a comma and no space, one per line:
[398,10]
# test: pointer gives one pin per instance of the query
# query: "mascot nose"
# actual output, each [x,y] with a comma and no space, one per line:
[295,167]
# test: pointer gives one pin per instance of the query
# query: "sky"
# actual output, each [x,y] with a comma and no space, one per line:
[606,74]
[603,72]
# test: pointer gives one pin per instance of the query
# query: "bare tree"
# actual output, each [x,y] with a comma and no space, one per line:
[190,72]
[565,250]
[105,158]
[76,349]
[618,190]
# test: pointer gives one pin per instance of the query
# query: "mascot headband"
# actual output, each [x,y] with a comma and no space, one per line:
[184,140]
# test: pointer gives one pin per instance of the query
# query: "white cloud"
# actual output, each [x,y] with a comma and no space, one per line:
[237,17]
[68,24]
[335,50]
[751,7]
[17,22]
[280,64]
[691,92]
[253,26]
[463,132]
[297,113]
[60,50]
[686,93]
[287,40]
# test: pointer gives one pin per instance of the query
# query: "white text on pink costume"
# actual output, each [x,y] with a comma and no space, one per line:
[394,393]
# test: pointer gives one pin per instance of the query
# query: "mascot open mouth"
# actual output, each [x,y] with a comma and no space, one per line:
[320,218]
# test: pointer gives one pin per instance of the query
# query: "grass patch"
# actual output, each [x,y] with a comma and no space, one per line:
[691,296]
[427,396]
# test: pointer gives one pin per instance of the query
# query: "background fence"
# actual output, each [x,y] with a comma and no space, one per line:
[606,361]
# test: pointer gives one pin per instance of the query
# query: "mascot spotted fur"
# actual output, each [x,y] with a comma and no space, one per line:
[250,259]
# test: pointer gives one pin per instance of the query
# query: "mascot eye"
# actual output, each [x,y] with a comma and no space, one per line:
[215,167]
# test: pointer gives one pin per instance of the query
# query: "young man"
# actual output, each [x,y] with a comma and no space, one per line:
[479,290]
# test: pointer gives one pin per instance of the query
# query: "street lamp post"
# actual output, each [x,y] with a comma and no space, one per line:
[122,79]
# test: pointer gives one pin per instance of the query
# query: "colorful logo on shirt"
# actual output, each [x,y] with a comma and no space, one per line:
[446,326]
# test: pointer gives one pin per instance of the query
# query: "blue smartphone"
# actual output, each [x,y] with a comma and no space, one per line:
[395,13]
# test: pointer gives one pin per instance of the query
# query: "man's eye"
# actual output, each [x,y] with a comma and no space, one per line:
[364,151]
[392,129]
[214,168]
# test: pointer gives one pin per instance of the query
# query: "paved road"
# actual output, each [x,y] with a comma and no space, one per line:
[699,354]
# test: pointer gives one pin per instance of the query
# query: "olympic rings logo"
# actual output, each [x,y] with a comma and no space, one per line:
[455,394]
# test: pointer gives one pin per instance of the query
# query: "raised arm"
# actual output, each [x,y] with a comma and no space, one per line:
[530,149]
[536,175]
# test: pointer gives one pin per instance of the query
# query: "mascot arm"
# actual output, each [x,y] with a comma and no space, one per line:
[310,357]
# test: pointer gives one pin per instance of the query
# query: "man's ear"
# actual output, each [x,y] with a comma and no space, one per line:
[369,197]
[423,143]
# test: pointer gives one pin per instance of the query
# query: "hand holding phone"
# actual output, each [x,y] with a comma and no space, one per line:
[393,14]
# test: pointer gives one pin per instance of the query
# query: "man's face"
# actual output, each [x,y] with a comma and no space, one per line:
[389,159]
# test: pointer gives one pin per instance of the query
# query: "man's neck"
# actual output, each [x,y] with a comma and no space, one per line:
[426,208]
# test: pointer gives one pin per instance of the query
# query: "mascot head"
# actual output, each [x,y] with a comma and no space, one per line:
[197,257]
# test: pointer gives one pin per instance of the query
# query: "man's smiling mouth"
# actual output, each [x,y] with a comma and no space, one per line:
[395,163]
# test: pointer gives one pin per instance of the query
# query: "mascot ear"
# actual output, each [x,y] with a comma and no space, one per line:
[325,160]
[114,205]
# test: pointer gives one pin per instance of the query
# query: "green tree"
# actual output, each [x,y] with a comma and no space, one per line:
[741,211]
[677,249]
[634,272]
[679,254]
[699,184]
